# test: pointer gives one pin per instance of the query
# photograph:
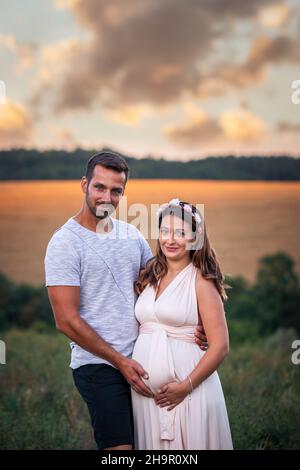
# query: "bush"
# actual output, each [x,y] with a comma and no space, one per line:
[277,293]
[272,302]
[21,305]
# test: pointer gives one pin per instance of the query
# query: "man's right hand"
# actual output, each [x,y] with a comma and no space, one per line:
[133,371]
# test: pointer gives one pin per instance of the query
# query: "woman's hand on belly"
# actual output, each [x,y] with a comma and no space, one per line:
[172,394]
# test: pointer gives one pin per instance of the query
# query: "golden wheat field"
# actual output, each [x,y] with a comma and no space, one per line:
[245,220]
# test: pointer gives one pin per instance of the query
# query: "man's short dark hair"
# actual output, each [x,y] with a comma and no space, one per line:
[108,159]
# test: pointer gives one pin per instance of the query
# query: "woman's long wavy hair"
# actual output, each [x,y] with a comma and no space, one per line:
[203,256]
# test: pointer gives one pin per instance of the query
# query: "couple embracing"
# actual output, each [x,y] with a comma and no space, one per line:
[139,324]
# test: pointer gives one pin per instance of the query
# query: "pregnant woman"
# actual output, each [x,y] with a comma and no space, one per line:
[179,288]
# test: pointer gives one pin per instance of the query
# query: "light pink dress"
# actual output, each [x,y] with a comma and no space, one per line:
[166,349]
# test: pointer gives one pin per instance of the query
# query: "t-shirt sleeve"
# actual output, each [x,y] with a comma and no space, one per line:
[146,252]
[62,263]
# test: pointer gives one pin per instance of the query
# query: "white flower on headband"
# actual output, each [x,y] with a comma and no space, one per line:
[161,208]
[174,202]
[197,218]
[186,207]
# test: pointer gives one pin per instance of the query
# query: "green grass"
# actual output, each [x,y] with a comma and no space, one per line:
[262,390]
[39,405]
[41,409]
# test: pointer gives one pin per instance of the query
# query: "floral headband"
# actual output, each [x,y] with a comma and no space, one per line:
[177,203]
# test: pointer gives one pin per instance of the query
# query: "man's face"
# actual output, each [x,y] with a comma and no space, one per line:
[104,191]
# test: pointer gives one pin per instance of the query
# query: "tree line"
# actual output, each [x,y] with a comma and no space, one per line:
[21,164]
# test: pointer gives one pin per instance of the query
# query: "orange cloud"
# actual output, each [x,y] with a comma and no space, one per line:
[242,126]
[197,130]
[235,126]
[274,16]
[129,115]
[24,51]
[16,127]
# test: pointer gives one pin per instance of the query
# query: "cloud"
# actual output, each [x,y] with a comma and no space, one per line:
[129,115]
[199,129]
[25,51]
[64,138]
[156,53]
[274,16]
[238,126]
[52,62]
[288,127]
[16,126]
[243,126]
[8,41]
[137,53]
[263,52]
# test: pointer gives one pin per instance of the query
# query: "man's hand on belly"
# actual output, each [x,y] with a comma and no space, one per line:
[133,371]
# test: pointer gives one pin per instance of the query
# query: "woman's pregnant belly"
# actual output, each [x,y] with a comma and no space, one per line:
[152,351]
[165,359]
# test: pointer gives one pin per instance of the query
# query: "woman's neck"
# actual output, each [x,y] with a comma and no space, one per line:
[175,266]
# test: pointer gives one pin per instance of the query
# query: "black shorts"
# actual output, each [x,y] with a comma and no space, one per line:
[108,397]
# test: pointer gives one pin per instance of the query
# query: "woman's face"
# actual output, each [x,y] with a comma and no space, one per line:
[175,237]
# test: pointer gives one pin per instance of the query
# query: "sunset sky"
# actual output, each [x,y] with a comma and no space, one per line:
[173,78]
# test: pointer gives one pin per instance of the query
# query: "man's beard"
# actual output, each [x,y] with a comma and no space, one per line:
[95,210]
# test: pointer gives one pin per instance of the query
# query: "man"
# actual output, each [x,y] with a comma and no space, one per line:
[91,264]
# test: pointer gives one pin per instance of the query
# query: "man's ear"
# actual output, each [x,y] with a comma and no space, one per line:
[84,184]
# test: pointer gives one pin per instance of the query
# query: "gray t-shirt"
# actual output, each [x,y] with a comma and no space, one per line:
[105,267]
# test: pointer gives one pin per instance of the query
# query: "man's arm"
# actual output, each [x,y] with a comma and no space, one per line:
[65,301]
[200,337]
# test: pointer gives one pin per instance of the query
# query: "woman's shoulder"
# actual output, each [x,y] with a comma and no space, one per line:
[204,284]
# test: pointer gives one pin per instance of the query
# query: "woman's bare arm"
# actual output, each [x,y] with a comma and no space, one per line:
[213,319]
